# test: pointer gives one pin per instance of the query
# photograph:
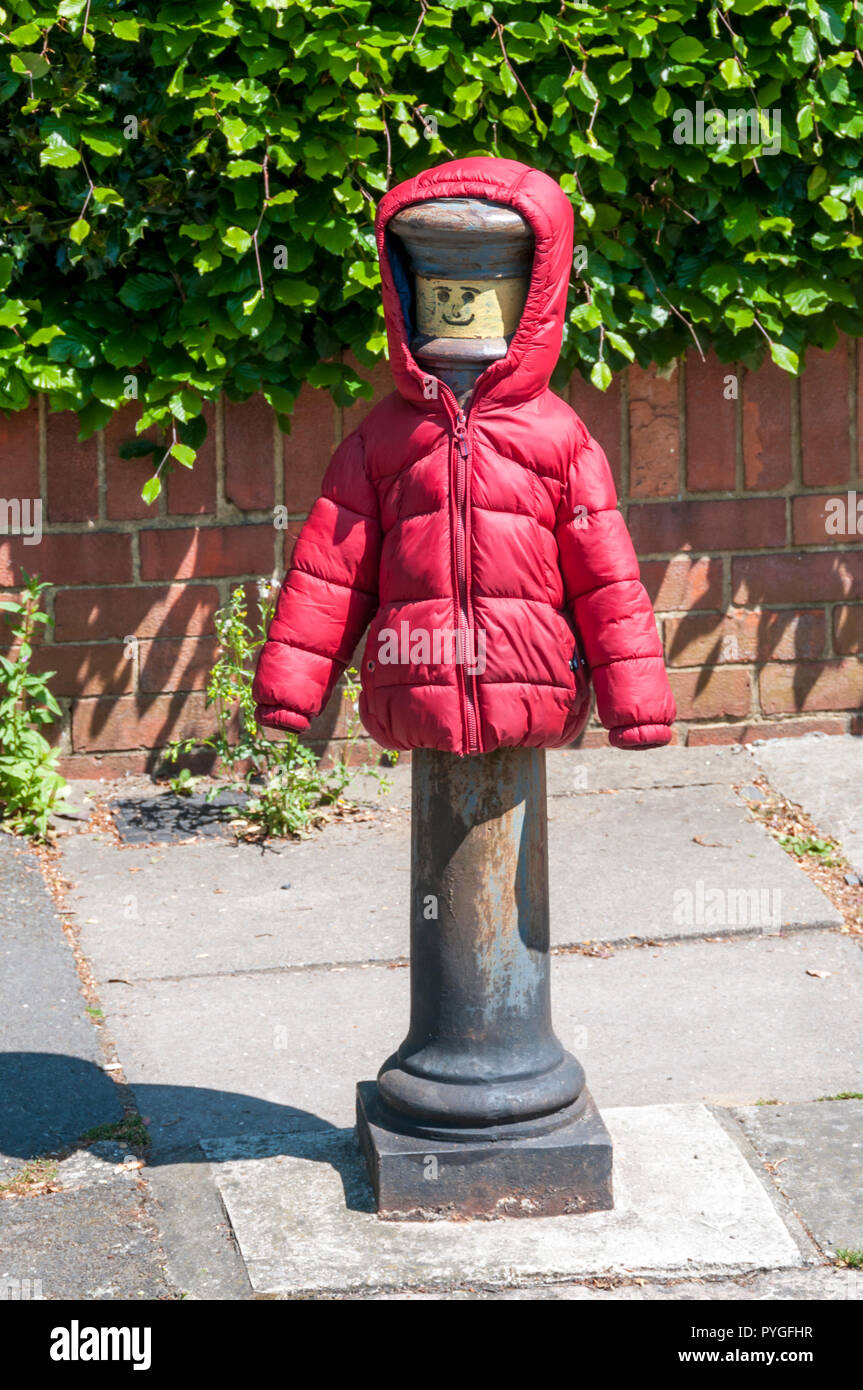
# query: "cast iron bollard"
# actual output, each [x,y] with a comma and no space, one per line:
[480,1112]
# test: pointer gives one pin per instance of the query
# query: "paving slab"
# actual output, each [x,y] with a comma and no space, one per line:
[817,1150]
[93,1239]
[780,1285]
[655,863]
[52,1085]
[727,1022]
[302,1211]
[824,775]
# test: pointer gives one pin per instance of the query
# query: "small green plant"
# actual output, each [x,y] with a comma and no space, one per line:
[130,1130]
[825,851]
[184,783]
[30,785]
[844,1095]
[288,791]
[852,1259]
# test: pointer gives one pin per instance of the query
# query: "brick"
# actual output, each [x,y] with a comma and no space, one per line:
[90,557]
[102,766]
[192,491]
[192,552]
[711,693]
[848,629]
[767,458]
[176,664]
[134,721]
[73,471]
[601,413]
[707,734]
[101,668]
[825,427]
[249,481]
[708,640]
[173,611]
[818,575]
[735,524]
[832,519]
[308,449]
[654,433]
[811,685]
[711,425]
[683,583]
[381,380]
[124,478]
[19,453]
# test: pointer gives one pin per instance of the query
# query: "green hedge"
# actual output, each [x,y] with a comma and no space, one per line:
[188,190]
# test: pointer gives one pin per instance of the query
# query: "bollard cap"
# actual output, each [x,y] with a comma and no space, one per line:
[451,238]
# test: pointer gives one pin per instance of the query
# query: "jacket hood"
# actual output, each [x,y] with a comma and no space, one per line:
[533,352]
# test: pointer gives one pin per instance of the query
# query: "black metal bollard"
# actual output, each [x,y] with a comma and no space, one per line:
[480,1051]
[480,1112]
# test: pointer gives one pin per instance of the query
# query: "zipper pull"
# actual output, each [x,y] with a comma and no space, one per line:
[461,434]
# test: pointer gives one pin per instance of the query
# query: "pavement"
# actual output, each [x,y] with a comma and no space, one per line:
[704,979]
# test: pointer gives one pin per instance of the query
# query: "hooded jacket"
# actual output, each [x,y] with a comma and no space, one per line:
[485,550]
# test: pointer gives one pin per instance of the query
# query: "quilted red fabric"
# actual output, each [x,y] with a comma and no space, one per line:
[485,551]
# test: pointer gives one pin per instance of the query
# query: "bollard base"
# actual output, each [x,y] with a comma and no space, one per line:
[567,1170]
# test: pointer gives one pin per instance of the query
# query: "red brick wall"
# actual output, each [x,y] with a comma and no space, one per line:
[723,477]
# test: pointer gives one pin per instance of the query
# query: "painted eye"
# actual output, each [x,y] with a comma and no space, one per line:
[468,296]
[443,295]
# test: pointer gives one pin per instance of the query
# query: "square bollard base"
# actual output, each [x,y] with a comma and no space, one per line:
[566,1171]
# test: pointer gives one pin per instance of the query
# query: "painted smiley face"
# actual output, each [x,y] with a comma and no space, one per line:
[457,304]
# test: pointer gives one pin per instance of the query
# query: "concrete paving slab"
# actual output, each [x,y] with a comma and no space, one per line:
[685,1202]
[817,1150]
[576,771]
[778,1285]
[52,1086]
[644,864]
[93,1239]
[728,1023]
[824,775]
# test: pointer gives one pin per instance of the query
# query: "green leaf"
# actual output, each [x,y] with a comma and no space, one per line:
[834,207]
[686,50]
[151,489]
[803,46]
[147,290]
[237,239]
[79,230]
[600,375]
[58,152]
[183,454]
[785,358]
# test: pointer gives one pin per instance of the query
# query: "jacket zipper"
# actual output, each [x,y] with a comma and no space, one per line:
[462,446]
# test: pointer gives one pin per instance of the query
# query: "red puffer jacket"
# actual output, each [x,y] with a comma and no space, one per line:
[486,552]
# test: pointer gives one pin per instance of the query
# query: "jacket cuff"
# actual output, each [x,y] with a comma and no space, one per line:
[640,736]
[272,717]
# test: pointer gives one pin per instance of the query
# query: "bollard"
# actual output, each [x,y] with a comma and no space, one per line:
[480,1112]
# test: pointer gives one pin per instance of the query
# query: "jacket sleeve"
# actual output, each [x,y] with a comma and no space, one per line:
[327,598]
[609,606]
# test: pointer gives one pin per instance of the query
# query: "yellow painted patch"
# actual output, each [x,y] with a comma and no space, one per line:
[470,308]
